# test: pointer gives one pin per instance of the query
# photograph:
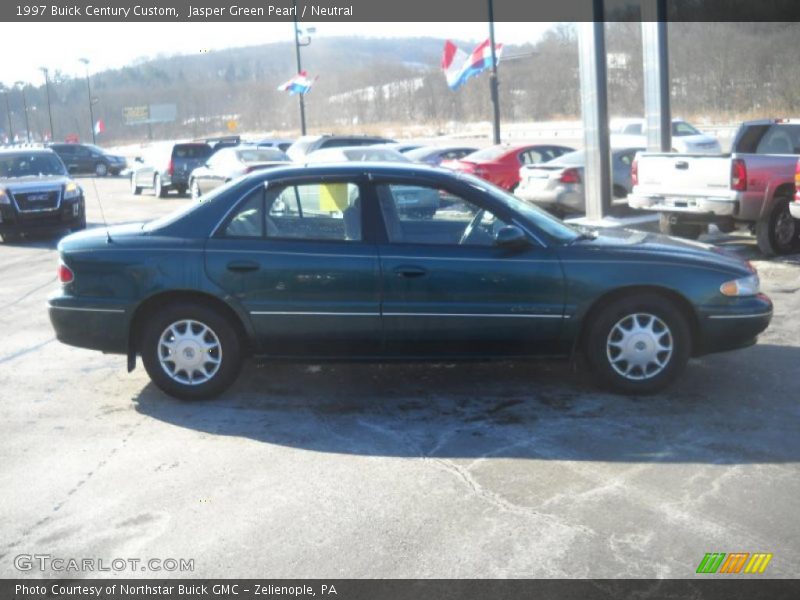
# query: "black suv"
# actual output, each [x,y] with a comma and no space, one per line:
[308,143]
[37,194]
[87,158]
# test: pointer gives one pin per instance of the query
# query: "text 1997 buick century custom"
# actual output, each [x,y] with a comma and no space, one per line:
[321,262]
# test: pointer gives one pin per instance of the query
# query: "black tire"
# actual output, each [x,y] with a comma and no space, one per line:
[230,350]
[80,226]
[690,231]
[135,189]
[778,233]
[601,332]
[181,190]
[159,190]
[101,169]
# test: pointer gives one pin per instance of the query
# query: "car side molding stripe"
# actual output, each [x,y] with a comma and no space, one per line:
[83,309]
[398,314]
[758,316]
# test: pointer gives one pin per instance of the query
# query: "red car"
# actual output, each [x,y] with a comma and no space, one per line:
[500,164]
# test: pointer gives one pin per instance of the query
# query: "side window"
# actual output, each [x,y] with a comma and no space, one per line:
[424,215]
[315,211]
[82,152]
[248,221]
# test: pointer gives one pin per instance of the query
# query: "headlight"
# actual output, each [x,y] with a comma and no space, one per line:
[71,191]
[745,286]
[4,199]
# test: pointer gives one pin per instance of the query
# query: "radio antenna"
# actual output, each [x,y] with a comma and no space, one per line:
[102,212]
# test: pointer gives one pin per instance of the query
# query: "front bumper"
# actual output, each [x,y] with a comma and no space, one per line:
[721,207]
[71,214]
[736,325]
[95,325]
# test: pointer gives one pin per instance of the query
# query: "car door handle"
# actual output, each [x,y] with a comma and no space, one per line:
[242,266]
[410,272]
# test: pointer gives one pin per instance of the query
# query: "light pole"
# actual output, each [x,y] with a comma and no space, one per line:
[85,61]
[21,85]
[49,108]
[8,114]
[297,45]
[493,83]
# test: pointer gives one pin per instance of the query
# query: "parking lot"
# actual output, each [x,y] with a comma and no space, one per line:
[309,470]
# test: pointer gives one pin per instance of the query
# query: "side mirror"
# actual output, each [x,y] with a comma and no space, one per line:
[511,236]
[138,159]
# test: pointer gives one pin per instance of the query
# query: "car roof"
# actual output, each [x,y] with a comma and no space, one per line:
[25,150]
[354,168]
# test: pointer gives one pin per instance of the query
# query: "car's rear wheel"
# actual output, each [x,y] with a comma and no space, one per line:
[637,345]
[158,189]
[135,189]
[778,233]
[100,169]
[670,225]
[194,189]
[190,351]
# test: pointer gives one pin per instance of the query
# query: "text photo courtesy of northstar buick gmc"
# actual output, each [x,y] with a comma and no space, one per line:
[320,262]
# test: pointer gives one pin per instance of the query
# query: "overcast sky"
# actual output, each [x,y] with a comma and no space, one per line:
[28,46]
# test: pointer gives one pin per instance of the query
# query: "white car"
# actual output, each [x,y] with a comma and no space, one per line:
[686,139]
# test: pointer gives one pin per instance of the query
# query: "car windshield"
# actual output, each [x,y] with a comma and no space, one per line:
[97,149]
[541,219]
[420,153]
[680,128]
[33,164]
[253,155]
[489,153]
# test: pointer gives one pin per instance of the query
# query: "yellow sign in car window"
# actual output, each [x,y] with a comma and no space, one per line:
[333,197]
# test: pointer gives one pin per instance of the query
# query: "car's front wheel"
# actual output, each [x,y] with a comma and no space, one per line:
[638,345]
[190,351]
[135,189]
[158,189]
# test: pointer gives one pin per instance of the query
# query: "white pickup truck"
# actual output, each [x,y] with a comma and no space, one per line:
[751,187]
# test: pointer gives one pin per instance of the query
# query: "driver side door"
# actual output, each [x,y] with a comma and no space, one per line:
[450,290]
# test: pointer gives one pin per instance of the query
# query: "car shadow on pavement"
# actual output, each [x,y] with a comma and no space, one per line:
[731,408]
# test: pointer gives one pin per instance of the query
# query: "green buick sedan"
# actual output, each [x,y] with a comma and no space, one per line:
[332,262]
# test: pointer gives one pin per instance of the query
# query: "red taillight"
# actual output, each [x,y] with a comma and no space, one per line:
[797,182]
[65,274]
[171,168]
[738,175]
[570,176]
[635,172]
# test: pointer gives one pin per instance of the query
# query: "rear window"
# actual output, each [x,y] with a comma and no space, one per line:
[780,139]
[681,128]
[261,155]
[191,151]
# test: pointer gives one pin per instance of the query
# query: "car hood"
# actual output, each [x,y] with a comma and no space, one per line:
[21,184]
[652,246]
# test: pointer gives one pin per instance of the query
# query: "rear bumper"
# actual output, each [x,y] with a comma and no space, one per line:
[734,326]
[720,207]
[96,325]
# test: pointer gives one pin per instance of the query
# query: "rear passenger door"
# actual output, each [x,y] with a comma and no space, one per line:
[298,259]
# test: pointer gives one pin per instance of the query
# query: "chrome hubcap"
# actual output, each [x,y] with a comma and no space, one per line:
[189,352]
[639,346]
